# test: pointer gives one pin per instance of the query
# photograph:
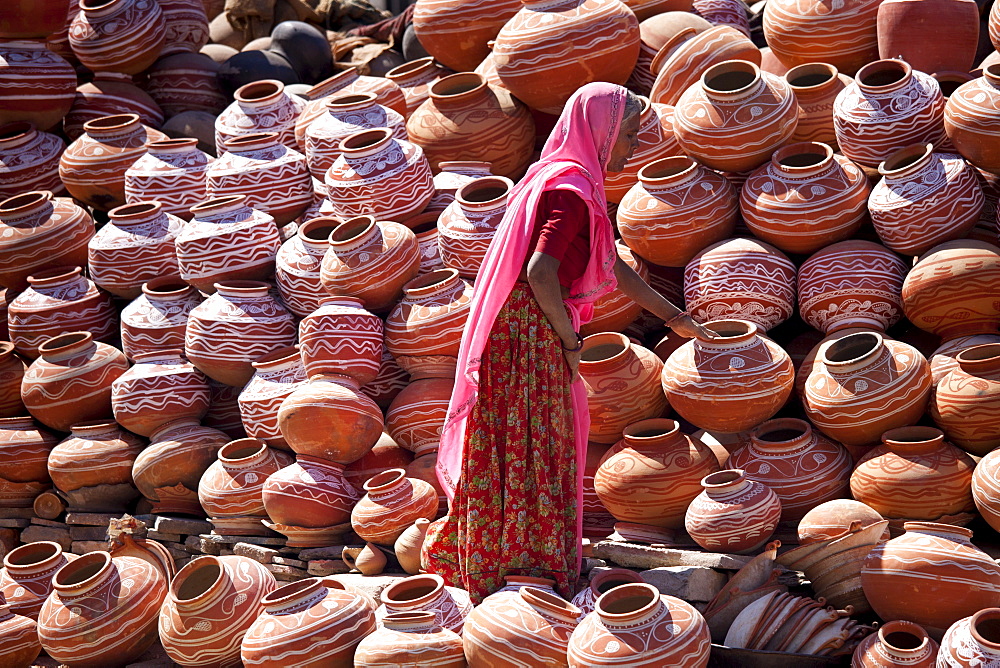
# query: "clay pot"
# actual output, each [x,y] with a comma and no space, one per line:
[605,580]
[343,116]
[124,36]
[171,173]
[851,284]
[843,36]
[415,79]
[341,337]
[965,400]
[370,260]
[390,381]
[297,266]
[654,33]
[11,373]
[93,167]
[453,175]
[312,492]
[186,82]
[25,20]
[276,375]
[411,639]
[26,579]
[675,210]
[863,385]
[634,625]
[368,560]
[407,546]
[833,519]
[316,621]
[161,387]
[969,117]
[733,514]
[273,177]
[24,452]
[714,123]
[655,141]
[417,414]
[467,226]
[231,489]
[260,106]
[37,85]
[156,321]
[168,471]
[125,592]
[233,328]
[385,454]
[59,300]
[895,645]
[816,86]
[805,198]
[378,175]
[18,639]
[652,475]
[971,640]
[228,590]
[110,93]
[30,159]
[426,593]
[393,502]
[186,25]
[956,578]
[71,380]
[224,413]
[943,360]
[689,51]
[92,468]
[621,380]
[615,311]
[888,107]
[457,33]
[949,30]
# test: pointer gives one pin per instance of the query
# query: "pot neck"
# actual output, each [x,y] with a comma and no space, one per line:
[200,584]
[722,484]
[782,435]
[113,127]
[550,605]
[16,135]
[136,215]
[982,361]
[244,453]
[164,432]
[260,95]
[242,290]
[279,360]
[629,605]
[985,629]
[96,431]
[354,233]
[367,143]
[469,168]
[669,173]
[102,8]
[432,284]
[459,90]
[732,81]
[812,79]
[299,595]
[413,592]
[729,334]
[45,281]
[895,634]
[330,86]
[221,209]
[484,194]
[18,423]
[605,352]
[852,352]
[167,290]
[79,577]
[27,210]
[655,434]
[169,148]
[386,482]
[803,160]
[884,77]
[67,346]
[336,379]
[907,163]
[913,440]
[162,358]
[950,532]
[315,234]
[413,73]
[354,102]
[251,143]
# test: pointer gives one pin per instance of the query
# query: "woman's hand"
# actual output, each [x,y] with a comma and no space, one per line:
[685,326]
[573,362]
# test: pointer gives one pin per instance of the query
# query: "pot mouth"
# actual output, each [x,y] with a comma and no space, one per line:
[277,357]
[32,554]
[128,213]
[802,155]
[81,571]
[172,144]
[723,478]
[241,450]
[25,201]
[463,166]
[210,205]
[96,4]
[166,287]
[484,191]
[627,601]
[196,578]
[6,349]
[604,347]
[852,348]
[883,75]
[55,275]
[950,81]
[730,329]
[810,75]
[351,229]
[430,281]
[16,130]
[243,142]
[259,91]
[651,428]
[904,159]
[64,342]
[363,140]
[616,577]
[981,353]
[454,85]
[115,122]
[350,100]
[985,627]
[731,77]
[384,480]
[293,590]
[936,527]
[412,589]
[411,67]
[992,72]
[782,430]
[243,288]
[556,604]
[912,435]
[318,230]
[422,618]
[667,169]
[423,223]
[346,76]
[903,636]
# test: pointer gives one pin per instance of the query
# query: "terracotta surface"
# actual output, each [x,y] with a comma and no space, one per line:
[971,640]
[159,388]
[38,85]
[966,400]
[466,227]
[260,106]
[156,321]
[311,492]
[420,593]
[411,638]
[393,502]
[970,116]
[298,264]
[734,514]
[949,29]
[804,31]
[816,86]
[30,159]
[896,644]
[457,33]
[343,115]
[167,472]
[681,59]
[120,36]
[26,579]
[347,82]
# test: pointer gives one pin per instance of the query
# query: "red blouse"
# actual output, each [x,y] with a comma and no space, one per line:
[562,231]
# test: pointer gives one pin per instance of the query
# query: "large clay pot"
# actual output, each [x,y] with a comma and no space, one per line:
[312,492]
[393,502]
[457,33]
[729,384]
[682,58]
[622,385]
[110,93]
[896,644]
[92,468]
[943,359]
[971,641]
[888,107]
[675,210]
[806,31]
[29,159]
[186,25]
[932,575]
[948,31]
[36,84]
[71,380]
[805,198]
[426,593]
[276,375]
[801,467]
[615,311]
[816,86]
[298,264]
[260,106]
[415,79]
[655,141]
[167,472]
[233,328]
[417,414]
[653,474]
[341,337]
[384,455]
[11,374]
[390,381]
[231,489]
[186,83]
[407,546]
[159,388]
[634,625]
[24,454]
[121,593]
[315,623]
[966,402]
[863,385]
[851,284]
[344,115]
[228,591]
[733,514]
[26,578]
[970,118]
[453,175]
[27,20]
[18,639]
[172,173]
[156,321]
[951,291]
[124,36]
[467,226]
[735,117]
[411,639]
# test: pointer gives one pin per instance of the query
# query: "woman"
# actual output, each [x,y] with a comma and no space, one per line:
[513,446]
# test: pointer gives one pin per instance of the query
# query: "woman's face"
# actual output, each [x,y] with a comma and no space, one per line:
[625,145]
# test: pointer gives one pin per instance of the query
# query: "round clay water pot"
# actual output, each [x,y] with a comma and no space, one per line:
[30,159]
[18,639]
[156,321]
[832,519]
[457,33]
[972,640]
[107,94]
[733,514]
[385,454]
[417,414]
[466,227]
[298,264]
[603,581]
[118,35]
[970,116]
[802,32]
[943,360]
[420,593]
[948,29]
[24,454]
[411,639]
[896,644]
[415,79]
[342,116]
[26,578]
[159,388]
[685,48]
[172,173]
[260,106]
[393,502]
[37,84]
[276,375]
[168,471]
[816,86]
[311,492]
[92,468]
[966,401]
[341,337]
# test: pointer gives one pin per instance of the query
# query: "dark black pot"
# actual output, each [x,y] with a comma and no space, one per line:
[305,48]
[249,66]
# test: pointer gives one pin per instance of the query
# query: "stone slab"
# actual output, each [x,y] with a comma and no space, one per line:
[185,526]
[260,553]
[253,540]
[88,546]
[17,513]
[331,552]
[48,523]
[88,533]
[643,556]
[34,534]
[688,583]
[165,537]
[91,519]
[193,544]
[323,567]
[287,573]
[285,561]
[14,523]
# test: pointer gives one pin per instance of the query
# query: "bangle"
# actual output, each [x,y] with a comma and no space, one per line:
[682,314]
[579,345]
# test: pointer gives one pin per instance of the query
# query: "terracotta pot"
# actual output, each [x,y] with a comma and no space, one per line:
[965,402]
[654,32]
[949,45]
[415,417]
[277,374]
[655,141]
[24,452]
[168,471]
[393,502]
[367,560]
[92,468]
[227,590]
[452,175]
[390,381]
[30,159]
[426,593]
[424,467]
[597,521]
[653,473]
[411,639]
[467,226]
[118,35]
[969,116]
[805,32]
[172,173]
[384,455]
[71,380]
[634,625]
[943,360]
[315,621]
[621,381]
[186,83]
[341,337]
[457,33]
[231,489]
[724,12]
[18,639]
[863,385]
[370,260]
[58,300]
[160,388]
[895,645]
[123,592]
[816,86]
[932,575]
[26,579]
[25,20]
[312,492]
[833,519]
[415,79]
[156,321]
[343,116]
[734,514]
[688,52]
[37,85]
[107,94]
[616,311]
[888,107]
[605,580]
[236,326]
[260,106]
[186,25]
[407,546]
[298,263]
[801,178]
[851,284]
[715,121]
[675,210]
[971,641]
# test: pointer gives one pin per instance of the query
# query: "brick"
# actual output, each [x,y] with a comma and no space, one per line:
[34,534]
[644,556]
[253,540]
[285,561]
[14,523]
[178,554]
[320,553]
[17,513]
[324,567]
[181,525]
[48,523]
[287,573]
[88,533]
[688,583]
[264,555]
[91,519]
[88,546]
[164,537]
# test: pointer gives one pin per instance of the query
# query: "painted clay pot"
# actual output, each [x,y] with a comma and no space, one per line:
[816,86]
[970,117]
[415,79]
[380,176]
[341,337]
[457,33]
[156,321]
[888,107]
[740,278]
[124,593]
[548,50]
[676,209]
[634,625]
[59,300]
[851,284]
[407,546]
[965,403]
[71,380]
[298,263]
[276,375]
[315,623]
[26,579]
[393,502]
[654,33]
[26,20]
[29,159]
[18,639]
[735,117]
[107,94]
[971,641]
[615,311]
[804,31]
[233,328]
[805,198]
[733,514]
[688,51]
[729,384]
[172,173]
[417,414]
[452,175]
[895,645]
[948,28]
[467,226]
[606,579]
[186,82]
[426,593]
[384,455]
[943,360]
[655,141]
[390,381]
[159,388]
[863,385]
[186,25]
[231,489]
[932,575]
[227,590]
[312,492]
[260,106]
[136,246]
[723,12]
[92,468]
[951,291]
[833,519]
[890,477]
[344,115]
[167,472]
[370,260]
[622,385]
[24,453]
[124,36]
[411,639]
[37,85]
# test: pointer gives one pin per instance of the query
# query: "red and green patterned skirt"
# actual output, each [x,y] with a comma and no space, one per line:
[514,511]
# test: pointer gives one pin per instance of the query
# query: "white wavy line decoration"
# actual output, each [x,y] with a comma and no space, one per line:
[331,625]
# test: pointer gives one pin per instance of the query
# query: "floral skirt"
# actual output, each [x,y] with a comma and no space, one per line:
[514,511]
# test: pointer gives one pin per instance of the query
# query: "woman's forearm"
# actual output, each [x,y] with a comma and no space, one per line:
[641,293]
[543,278]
